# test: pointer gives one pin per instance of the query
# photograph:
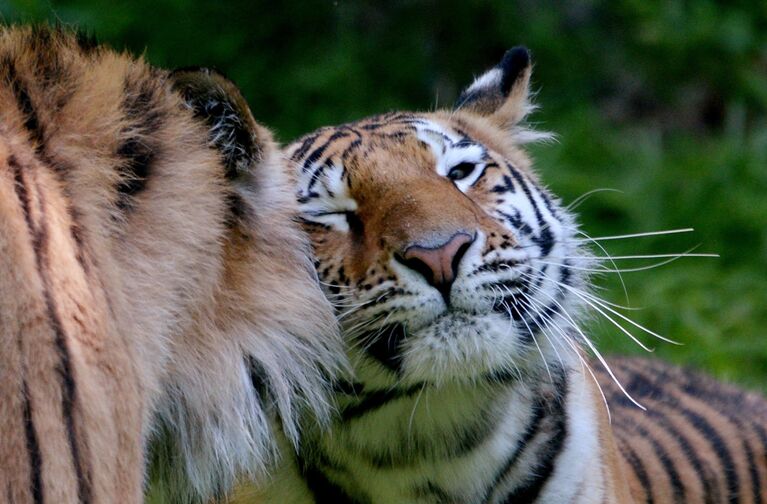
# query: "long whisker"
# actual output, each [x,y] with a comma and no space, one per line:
[337,286]
[630,321]
[596,352]
[615,266]
[583,197]
[638,235]
[605,315]
[641,256]
[545,319]
[529,330]
[584,364]
[412,413]
[604,269]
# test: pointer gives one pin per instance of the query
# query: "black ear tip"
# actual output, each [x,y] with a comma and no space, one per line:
[515,61]
[517,56]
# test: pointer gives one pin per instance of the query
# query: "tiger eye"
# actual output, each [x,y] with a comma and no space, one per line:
[460,171]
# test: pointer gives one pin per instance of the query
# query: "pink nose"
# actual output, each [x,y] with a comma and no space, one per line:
[439,265]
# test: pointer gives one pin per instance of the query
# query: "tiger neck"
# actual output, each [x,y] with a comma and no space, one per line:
[490,442]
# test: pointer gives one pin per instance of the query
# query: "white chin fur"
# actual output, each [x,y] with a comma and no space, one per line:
[463,347]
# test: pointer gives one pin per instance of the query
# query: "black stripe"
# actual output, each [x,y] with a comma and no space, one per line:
[351,148]
[137,161]
[50,69]
[317,174]
[642,386]
[668,464]
[35,130]
[139,149]
[306,143]
[319,151]
[324,490]
[531,430]
[517,222]
[538,414]
[33,447]
[702,470]
[373,400]
[259,379]
[24,102]
[730,406]
[434,493]
[481,176]
[545,239]
[507,186]
[544,467]
[756,484]
[721,450]
[68,390]
[639,470]
[386,346]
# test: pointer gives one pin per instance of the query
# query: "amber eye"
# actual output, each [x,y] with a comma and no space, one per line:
[460,171]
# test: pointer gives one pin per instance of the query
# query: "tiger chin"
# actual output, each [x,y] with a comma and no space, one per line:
[153,281]
[460,283]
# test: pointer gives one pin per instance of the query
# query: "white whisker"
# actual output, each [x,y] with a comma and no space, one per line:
[615,266]
[639,235]
[646,256]
[596,352]
[605,315]
[583,197]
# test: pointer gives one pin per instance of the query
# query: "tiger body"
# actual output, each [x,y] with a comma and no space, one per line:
[460,281]
[148,262]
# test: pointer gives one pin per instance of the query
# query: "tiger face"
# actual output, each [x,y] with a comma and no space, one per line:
[442,251]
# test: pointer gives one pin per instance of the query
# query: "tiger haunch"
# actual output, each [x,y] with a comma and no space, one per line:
[149,269]
[460,283]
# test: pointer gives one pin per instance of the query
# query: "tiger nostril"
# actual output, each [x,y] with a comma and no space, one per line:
[438,265]
[420,266]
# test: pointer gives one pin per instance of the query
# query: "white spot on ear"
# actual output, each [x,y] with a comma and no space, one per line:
[490,79]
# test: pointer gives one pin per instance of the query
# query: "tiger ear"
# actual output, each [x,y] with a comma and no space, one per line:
[232,129]
[502,93]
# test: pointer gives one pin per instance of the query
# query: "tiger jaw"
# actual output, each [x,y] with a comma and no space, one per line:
[477,337]
[463,347]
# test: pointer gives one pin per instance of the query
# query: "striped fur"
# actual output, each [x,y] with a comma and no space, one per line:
[148,262]
[475,390]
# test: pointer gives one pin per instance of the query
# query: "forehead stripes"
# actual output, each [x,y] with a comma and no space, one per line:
[322,154]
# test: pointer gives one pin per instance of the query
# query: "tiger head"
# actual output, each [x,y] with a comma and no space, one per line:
[443,253]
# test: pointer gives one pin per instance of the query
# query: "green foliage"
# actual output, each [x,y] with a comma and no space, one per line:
[662,100]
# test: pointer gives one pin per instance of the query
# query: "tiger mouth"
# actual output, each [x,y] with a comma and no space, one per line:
[386,343]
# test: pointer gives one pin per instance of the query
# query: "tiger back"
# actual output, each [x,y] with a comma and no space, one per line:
[152,281]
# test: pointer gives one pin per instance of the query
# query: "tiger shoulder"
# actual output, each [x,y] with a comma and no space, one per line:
[151,277]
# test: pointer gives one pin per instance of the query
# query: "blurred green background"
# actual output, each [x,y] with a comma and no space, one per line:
[662,100]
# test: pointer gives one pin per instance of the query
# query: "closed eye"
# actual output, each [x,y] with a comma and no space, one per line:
[350,217]
[461,171]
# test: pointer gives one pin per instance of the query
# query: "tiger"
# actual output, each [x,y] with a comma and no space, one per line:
[154,283]
[461,284]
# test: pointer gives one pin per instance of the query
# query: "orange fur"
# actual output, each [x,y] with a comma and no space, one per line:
[145,280]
